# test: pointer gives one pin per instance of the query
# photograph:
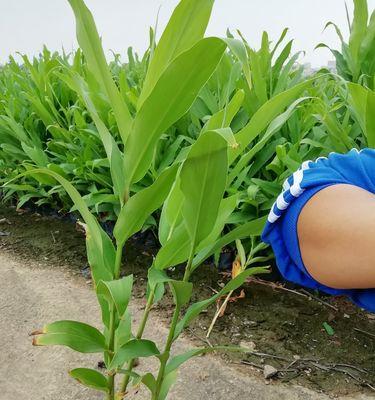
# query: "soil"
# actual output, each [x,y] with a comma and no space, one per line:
[307,341]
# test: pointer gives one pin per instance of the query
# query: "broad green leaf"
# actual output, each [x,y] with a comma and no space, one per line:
[357,33]
[258,80]
[358,102]
[140,206]
[155,277]
[203,179]
[224,117]
[155,283]
[370,119]
[175,362]
[171,97]
[186,26]
[181,292]
[195,309]
[272,129]
[362,102]
[89,40]
[238,48]
[226,208]
[368,41]
[171,215]
[168,381]
[133,349]
[117,292]
[90,378]
[78,336]
[265,115]
[124,330]
[149,381]
[176,250]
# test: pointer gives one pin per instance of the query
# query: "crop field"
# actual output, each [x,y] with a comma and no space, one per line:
[185,147]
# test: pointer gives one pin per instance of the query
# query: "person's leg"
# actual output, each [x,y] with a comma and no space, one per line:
[336,234]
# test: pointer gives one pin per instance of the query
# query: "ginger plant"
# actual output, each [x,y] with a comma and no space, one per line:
[192,190]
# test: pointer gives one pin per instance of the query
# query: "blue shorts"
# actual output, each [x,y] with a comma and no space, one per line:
[355,168]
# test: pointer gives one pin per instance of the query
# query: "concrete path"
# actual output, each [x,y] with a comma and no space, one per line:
[34,294]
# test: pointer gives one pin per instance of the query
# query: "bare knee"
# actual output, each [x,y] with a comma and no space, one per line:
[336,233]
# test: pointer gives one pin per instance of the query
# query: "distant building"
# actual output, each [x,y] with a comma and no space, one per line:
[309,70]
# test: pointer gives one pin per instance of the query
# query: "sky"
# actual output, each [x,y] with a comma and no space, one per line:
[25,25]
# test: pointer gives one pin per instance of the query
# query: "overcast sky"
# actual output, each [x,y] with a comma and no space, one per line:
[25,25]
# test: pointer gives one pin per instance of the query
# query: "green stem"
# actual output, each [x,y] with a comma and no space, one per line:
[165,356]
[141,328]
[111,378]
[117,270]
[112,327]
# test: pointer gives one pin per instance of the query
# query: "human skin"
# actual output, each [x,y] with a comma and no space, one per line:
[336,234]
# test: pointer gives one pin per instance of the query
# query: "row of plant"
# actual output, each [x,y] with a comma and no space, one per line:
[193,140]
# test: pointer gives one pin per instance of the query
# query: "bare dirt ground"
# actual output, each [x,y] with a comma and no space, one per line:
[32,294]
[44,278]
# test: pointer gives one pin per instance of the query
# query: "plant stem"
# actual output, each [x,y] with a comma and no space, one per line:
[112,327]
[165,356]
[111,378]
[117,269]
[141,328]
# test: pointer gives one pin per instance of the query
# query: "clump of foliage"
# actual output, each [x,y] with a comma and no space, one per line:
[193,189]
[356,61]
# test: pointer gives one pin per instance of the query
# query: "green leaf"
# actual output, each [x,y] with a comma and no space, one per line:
[168,381]
[149,381]
[155,277]
[171,97]
[328,328]
[114,155]
[100,250]
[195,309]
[175,362]
[89,40]
[117,292]
[238,48]
[124,330]
[226,208]
[251,228]
[140,206]
[186,26]
[362,102]
[370,119]
[78,336]
[156,280]
[358,31]
[90,378]
[133,349]
[176,250]
[265,115]
[358,102]
[171,216]
[203,180]
[224,117]
[274,127]
[181,292]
